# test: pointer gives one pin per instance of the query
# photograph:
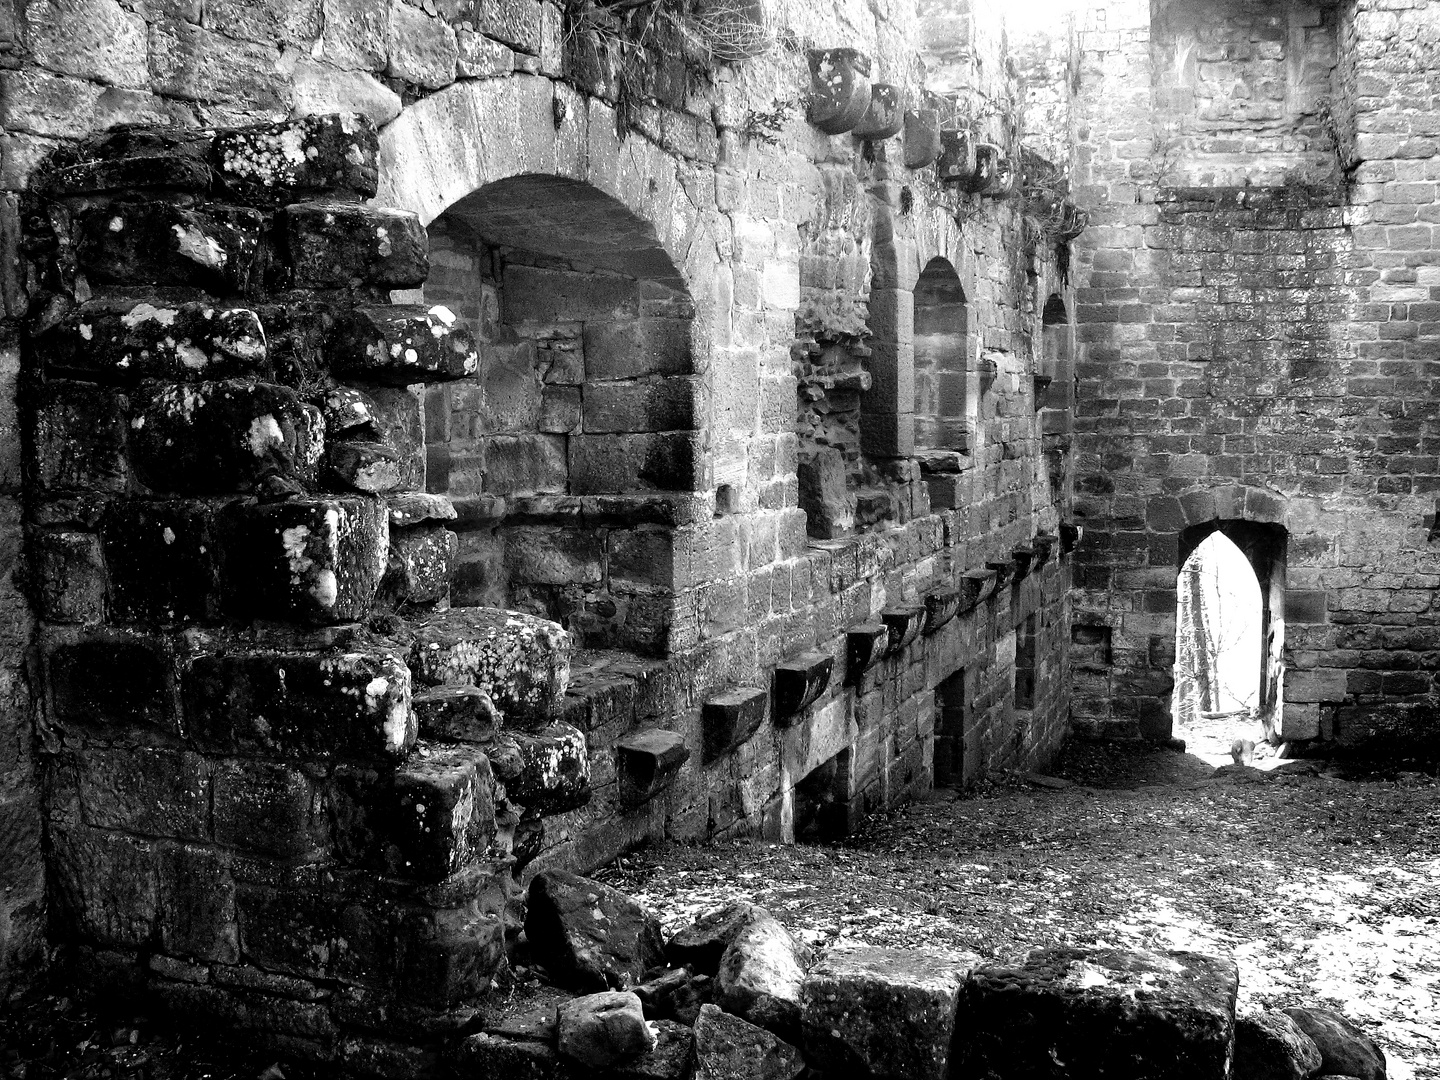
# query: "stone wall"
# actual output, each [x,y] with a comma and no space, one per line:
[1258,355]
[631,254]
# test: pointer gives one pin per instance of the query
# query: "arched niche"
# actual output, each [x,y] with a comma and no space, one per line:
[582,422]
[1057,341]
[941,346]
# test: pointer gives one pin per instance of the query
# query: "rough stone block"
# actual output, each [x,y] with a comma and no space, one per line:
[423,49]
[732,718]
[451,956]
[415,507]
[604,1030]
[799,682]
[80,437]
[221,436]
[107,884]
[546,772]
[824,494]
[315,560]
[640,406]
[1300,721]
[110,676]
[401,344]
[278,163]
[125,340]
[1107,1012]
[554,556]
[589,936]
[904,624]
[607,464]
[635,347]
[268,808]
[421,562]
[441,815]
[68,582]
[342,245]
[760,976]
[729,1048]
[160,243]
[399,421]
[456,712]
[150,790]
[522,662]
[1269,1046]
[370,467]
[292,702]
[865,646]
[883,1013]
[162,558]
[95,39]
[1343,1048]
[526,465]
[197,905]
[647,763]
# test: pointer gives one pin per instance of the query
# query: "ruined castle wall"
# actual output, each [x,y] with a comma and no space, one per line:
[800,673]
[1256,342]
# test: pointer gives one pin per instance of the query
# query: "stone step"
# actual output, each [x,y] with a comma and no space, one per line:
[438,812]
[124,340]
[209,246]
[521,661]
[400,344]
[344,245]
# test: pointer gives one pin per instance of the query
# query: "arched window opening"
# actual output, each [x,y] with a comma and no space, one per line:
[941,371]
[1227,640]
[583,411]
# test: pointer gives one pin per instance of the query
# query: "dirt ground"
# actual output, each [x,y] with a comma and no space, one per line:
[1325,889]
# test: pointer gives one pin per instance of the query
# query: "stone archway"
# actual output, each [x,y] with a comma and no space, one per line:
[941,355]
[573,256]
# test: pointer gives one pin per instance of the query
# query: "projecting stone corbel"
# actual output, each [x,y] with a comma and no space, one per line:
[799,682]
[647,763]
[1044,544]
[975,586]
[1070,537]
[865,645]
[839,89]
[886,115]
[1004,571]
[730,719]
[904,624]
[1022,556]
[940,608]
[957,163]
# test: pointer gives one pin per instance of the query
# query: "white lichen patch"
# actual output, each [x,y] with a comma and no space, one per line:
[86,333]
[325,588]
[199,248]
[264,435]
[143,313]
[193,358]
[443,314]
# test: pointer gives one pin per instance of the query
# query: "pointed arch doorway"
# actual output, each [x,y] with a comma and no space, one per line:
[1229,636]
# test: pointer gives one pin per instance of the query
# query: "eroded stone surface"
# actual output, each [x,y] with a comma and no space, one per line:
[522,662]
[588,935]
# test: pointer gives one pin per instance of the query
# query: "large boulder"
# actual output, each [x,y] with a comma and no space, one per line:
[883,1013]
[601,1030]
[760,976]
[729,1048]
[701,945]
[1271,1046]
[589,936]
[1344,1048]
[1100,1012]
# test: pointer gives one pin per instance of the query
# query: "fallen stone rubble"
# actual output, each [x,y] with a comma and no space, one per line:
[735,997]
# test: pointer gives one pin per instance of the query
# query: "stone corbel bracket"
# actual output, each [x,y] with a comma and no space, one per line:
[730,719]
[1022,556]
[865,646]
[1004,571]
[940,608]
[975,586]
[839,89]
[1044,545]
[799,682]
[886,115]
[647,763]
[904,624]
